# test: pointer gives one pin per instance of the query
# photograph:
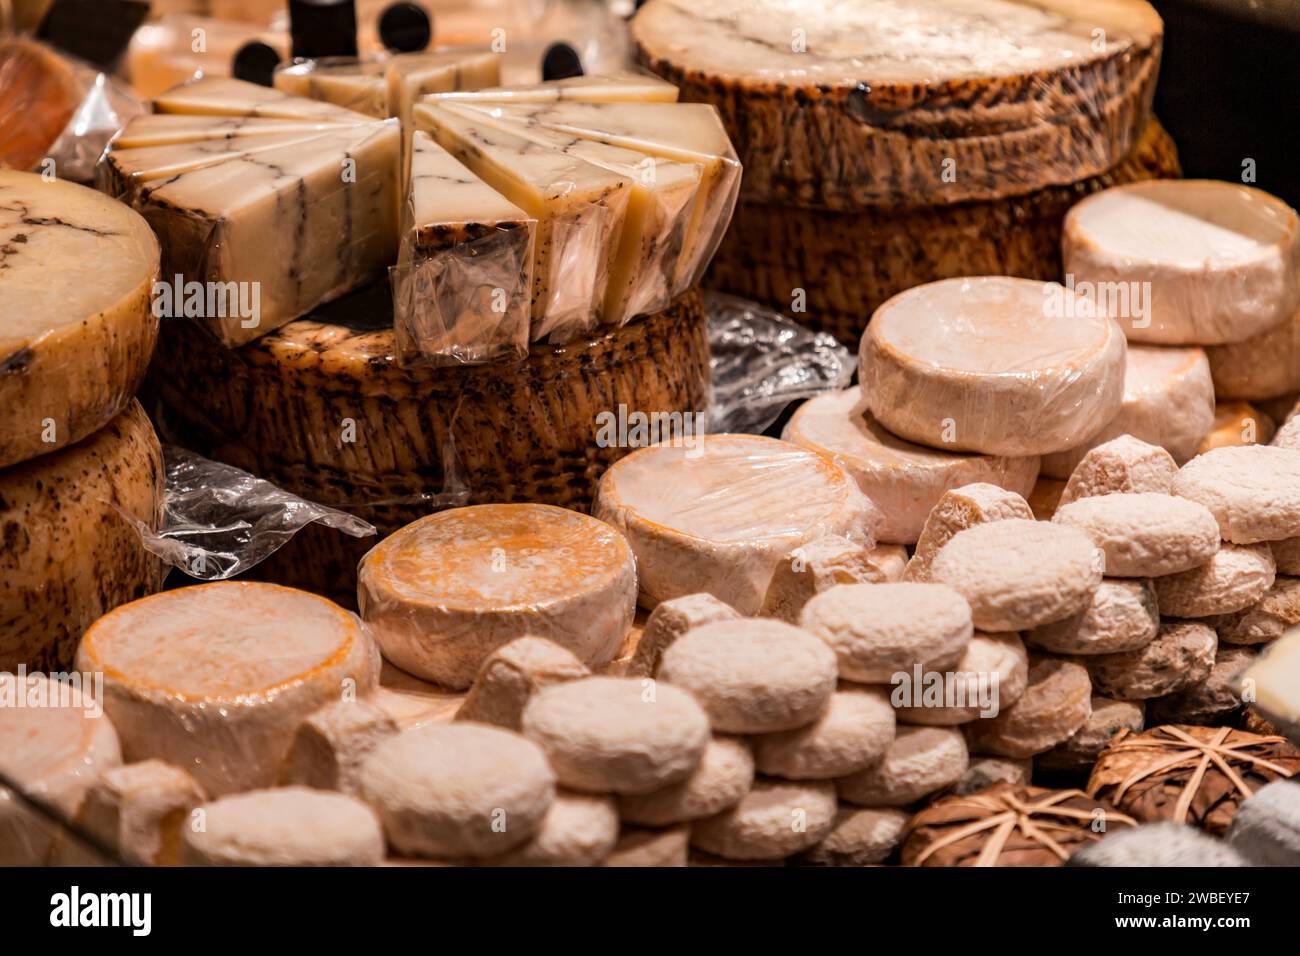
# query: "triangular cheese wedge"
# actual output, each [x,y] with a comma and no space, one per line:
[223,96]
[600,88]
[165,129]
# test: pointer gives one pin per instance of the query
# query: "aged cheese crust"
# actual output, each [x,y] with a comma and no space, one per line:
[67,556]
[1016,96]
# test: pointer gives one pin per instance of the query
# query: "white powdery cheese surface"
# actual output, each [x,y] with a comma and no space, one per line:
[920,761]
[1122,616]
[1253,491]
[1144,535]
[776,819]
[1234,579]
[725,774]
[853,732]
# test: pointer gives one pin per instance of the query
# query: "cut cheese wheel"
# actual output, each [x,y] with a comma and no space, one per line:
[904,480]
[717,513]
[904,102]
[224,96]
[216,678]
[38,96]
[443,593]
[1261,367]
[994,365]
[1211,262]
[69,554]
[1168,402]
[619,87]
[74,344]
[57,745]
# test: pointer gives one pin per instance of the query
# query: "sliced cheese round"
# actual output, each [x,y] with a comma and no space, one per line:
[1168,401]
[903,101]
[904,480]
[57,742]
[216,678]
[1209,262]
[1263,367]
[716,514]
[445,592]
[69,555]
[994,365]
[76,329]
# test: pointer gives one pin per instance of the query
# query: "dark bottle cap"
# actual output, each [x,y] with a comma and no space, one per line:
[405,27]
[255,62]
[323,28]
[97,31]
[560,61]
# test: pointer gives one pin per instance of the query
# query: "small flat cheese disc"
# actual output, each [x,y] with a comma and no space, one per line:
[1260,368]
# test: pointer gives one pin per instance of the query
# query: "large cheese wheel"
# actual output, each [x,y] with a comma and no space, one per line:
[1168,401]
[861,102]
[717,513]
[67,554]
[216,678]
[445,592]
[903,480]
[57,742]
[76,330]
[1208,262]
[994,365]
[845,264]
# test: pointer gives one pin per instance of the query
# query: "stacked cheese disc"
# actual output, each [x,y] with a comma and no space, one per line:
[79,461]
[888,144]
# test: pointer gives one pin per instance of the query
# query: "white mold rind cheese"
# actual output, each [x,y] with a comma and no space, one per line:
[216,678]
[718,513]
[1260,368]
[443,593]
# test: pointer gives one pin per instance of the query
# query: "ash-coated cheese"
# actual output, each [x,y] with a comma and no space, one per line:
[1081,750]
[776,819]
[879,630]
[891,102]
[1266,827]
[69,556]
[1055,704]
[1233,579]
[1211,701]
[1219,259]
[823,564]
[992,674]
[617,734]
[1181,655]
[1261,367]
[580,829]
[458,790]
[1144,535]
[957,510]
[287,826]
[853,732]
[330,746]
[753,676]
[443,593]
[1267,619]
[216,678]
[718,512]
[724,775]
[860,836]
[512,674]
[1168,401]
[1123,615]
[651,847]
[920,761]
[1017,574]
[1253,491]
[994,365]
[76,327]
[1123,465]
[903,479]
[669,621]
[1160,844]
[58,744]
[139,810]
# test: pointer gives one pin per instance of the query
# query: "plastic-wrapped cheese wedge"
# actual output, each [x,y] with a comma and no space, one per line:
[223,96]
[663,196]
[353,84]
[685,132]
[625,87]
[579,209]
[76,329]
[716,513]
[1274,681]
[216,678]
[464,247]
[165,129]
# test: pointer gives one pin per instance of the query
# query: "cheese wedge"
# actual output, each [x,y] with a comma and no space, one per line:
[579,209]
[685,132]
[225,96]
[414,75]
[164,129]
[662,200]
[1274,679]
[619,87]
[354,84]
[465,250]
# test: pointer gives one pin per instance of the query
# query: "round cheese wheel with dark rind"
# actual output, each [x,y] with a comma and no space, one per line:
[216,678]
[445,592]
[67,554]
[76,325]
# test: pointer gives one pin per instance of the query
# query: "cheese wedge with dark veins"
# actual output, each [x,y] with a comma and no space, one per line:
[414,75]
[663,196]
[579,209]
[621,87]
[684,132]
[354,84]
[301,224]
[462,241]
[225,96]
[165,129]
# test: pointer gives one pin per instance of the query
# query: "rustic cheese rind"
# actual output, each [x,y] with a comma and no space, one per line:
[442,594]
[76,327]
[1123,465]
[994,365]
[216,678]
[69,555]
[512,674]
[1253,491]
[903,479]
[1181,655]
[864,103]
[1262,367]
[716,513]
[959,509]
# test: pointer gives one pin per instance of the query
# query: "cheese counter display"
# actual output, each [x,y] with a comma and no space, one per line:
[366,500]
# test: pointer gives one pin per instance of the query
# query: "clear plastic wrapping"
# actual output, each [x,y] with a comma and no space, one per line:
[178,46]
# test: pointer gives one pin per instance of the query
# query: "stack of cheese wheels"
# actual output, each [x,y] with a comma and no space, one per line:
[74,446]
[893,143]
